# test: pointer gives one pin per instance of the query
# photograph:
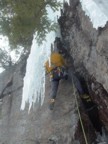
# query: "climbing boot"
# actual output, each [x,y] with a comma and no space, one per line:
[51,105]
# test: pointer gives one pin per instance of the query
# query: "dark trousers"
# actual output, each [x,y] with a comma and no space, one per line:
[54,88]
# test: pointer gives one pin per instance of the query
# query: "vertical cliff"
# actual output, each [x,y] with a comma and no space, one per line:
[40,125]
[88,49]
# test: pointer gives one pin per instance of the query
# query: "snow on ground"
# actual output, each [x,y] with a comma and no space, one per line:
[97,10]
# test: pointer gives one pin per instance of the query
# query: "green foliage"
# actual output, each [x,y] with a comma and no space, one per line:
[20,19]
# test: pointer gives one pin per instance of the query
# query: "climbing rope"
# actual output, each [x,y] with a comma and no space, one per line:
[82,126]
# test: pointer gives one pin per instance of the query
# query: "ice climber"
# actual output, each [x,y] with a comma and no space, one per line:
[56,68]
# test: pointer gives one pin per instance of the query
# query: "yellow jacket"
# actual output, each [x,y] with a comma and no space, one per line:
[56,60]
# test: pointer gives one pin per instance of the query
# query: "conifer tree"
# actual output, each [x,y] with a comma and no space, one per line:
[20,19]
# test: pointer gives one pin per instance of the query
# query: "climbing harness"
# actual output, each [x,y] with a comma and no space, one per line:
[82,126]
[57,73]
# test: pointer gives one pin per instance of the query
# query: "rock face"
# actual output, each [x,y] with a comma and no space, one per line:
[88,49]
[40,126]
